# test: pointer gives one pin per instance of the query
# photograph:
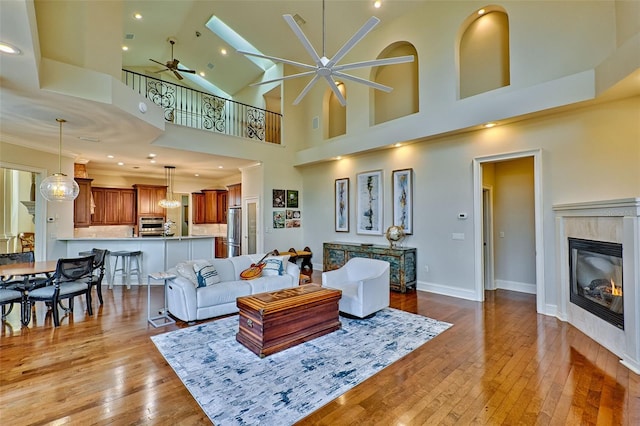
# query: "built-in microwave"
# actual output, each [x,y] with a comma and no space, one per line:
[151,226]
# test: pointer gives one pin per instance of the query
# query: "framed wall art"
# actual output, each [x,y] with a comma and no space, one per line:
[403,199]
[369,203]
[292,198]
[342,205]
[278,198]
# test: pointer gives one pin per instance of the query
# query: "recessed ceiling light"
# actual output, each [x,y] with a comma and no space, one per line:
[202,74]
[377,4]
[137,16]
[152,155]
[120,163]
[125,48]
[197,175]
[152,161]
[110,156]
[397,145]
[481,12]
[489,125]
[221,167]
[338,158]
[7,48]
[223,51]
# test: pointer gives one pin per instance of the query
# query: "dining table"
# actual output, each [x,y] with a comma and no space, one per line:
[27,270]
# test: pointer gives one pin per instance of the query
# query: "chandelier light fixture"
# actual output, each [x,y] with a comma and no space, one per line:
[59,187]
[169,202]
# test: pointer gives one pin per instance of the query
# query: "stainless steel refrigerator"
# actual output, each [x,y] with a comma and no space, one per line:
[234,231]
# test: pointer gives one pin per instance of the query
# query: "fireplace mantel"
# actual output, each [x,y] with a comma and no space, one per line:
[615,221]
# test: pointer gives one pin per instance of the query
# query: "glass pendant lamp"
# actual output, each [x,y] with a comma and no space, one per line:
[169,202]
[59,187]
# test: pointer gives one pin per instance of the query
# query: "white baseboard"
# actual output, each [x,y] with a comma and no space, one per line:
[446,290]
[516,286]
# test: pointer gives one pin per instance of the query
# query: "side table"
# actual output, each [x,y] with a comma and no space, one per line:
[164,318]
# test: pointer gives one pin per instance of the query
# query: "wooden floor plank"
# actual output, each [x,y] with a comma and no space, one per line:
[500,363]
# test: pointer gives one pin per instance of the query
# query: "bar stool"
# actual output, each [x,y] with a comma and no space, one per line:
[127,268]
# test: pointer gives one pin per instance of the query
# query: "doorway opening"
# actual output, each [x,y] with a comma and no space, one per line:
[501,244]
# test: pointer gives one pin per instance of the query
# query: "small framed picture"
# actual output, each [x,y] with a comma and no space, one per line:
[278,219]
[369,203]
[292,198]
[278,198]
[342,205]
[403,199]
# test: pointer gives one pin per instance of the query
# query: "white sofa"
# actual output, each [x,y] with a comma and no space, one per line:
[364,283]
[189,303]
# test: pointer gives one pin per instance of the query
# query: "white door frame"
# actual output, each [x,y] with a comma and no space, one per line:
[487,238]
[538,220]
[41,207]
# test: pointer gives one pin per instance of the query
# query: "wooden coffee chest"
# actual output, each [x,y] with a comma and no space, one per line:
[273,321]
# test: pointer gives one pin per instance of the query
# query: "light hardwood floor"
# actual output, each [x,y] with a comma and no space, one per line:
[500,363]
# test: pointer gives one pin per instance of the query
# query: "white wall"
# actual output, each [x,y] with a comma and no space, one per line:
[588,154]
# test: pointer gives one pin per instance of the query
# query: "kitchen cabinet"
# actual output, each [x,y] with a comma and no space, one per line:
[113,206]
[235,195]
[147,199]
[402,261]
[82,204]
[221,247]
[215,206]
[197,200]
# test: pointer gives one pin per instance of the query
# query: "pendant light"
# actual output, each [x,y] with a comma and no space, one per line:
[169,202]
[59,187]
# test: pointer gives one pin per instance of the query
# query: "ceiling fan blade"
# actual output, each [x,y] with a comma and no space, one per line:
[287,77]
[375,63]
[306,89]
[336,91]
[177,74]
[363,31]
[276,59]
[303,39]
[185,70]
[369,83]
[159,63]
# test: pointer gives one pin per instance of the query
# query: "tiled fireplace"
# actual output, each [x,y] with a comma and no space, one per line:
[598,270]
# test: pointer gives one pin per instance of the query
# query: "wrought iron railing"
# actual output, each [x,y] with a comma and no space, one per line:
[200,110]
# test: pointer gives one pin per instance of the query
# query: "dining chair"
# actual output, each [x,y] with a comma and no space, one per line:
[9,297]
[12,283]
[100,256]
[72,278]
[27,241]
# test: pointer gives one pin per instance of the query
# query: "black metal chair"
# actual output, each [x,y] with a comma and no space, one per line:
[100,256]
[9,297]
[72,278]
[23,284]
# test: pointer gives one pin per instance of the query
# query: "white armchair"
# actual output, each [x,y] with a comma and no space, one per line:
[364,283]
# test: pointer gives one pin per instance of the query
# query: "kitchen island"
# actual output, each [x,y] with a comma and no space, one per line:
[158,253]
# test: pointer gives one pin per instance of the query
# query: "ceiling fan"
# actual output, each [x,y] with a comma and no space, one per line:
[172,65]
[328,68]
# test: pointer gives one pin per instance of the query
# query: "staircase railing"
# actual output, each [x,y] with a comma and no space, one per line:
[200,110]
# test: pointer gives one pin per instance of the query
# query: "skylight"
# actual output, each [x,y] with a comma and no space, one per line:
[236,41]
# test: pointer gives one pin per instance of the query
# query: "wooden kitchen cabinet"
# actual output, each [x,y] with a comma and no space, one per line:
[234,198]
[82,204]
[197,200]
[113,206]
[147,199]
[222,206]
[221,247]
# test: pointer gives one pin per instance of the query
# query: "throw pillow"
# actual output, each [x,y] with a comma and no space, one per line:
[185,269]
[272,267]
[206,274]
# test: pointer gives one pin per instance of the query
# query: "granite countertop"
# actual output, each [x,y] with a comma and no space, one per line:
[186,237]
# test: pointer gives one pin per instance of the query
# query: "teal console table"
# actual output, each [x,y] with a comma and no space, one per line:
[402,260]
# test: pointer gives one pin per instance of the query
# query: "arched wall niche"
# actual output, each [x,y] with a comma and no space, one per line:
[482,48]
[403,100]
[335,122]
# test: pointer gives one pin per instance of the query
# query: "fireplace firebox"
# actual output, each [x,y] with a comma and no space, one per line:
[595,269]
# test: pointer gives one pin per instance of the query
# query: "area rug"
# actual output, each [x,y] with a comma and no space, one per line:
[236,387]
